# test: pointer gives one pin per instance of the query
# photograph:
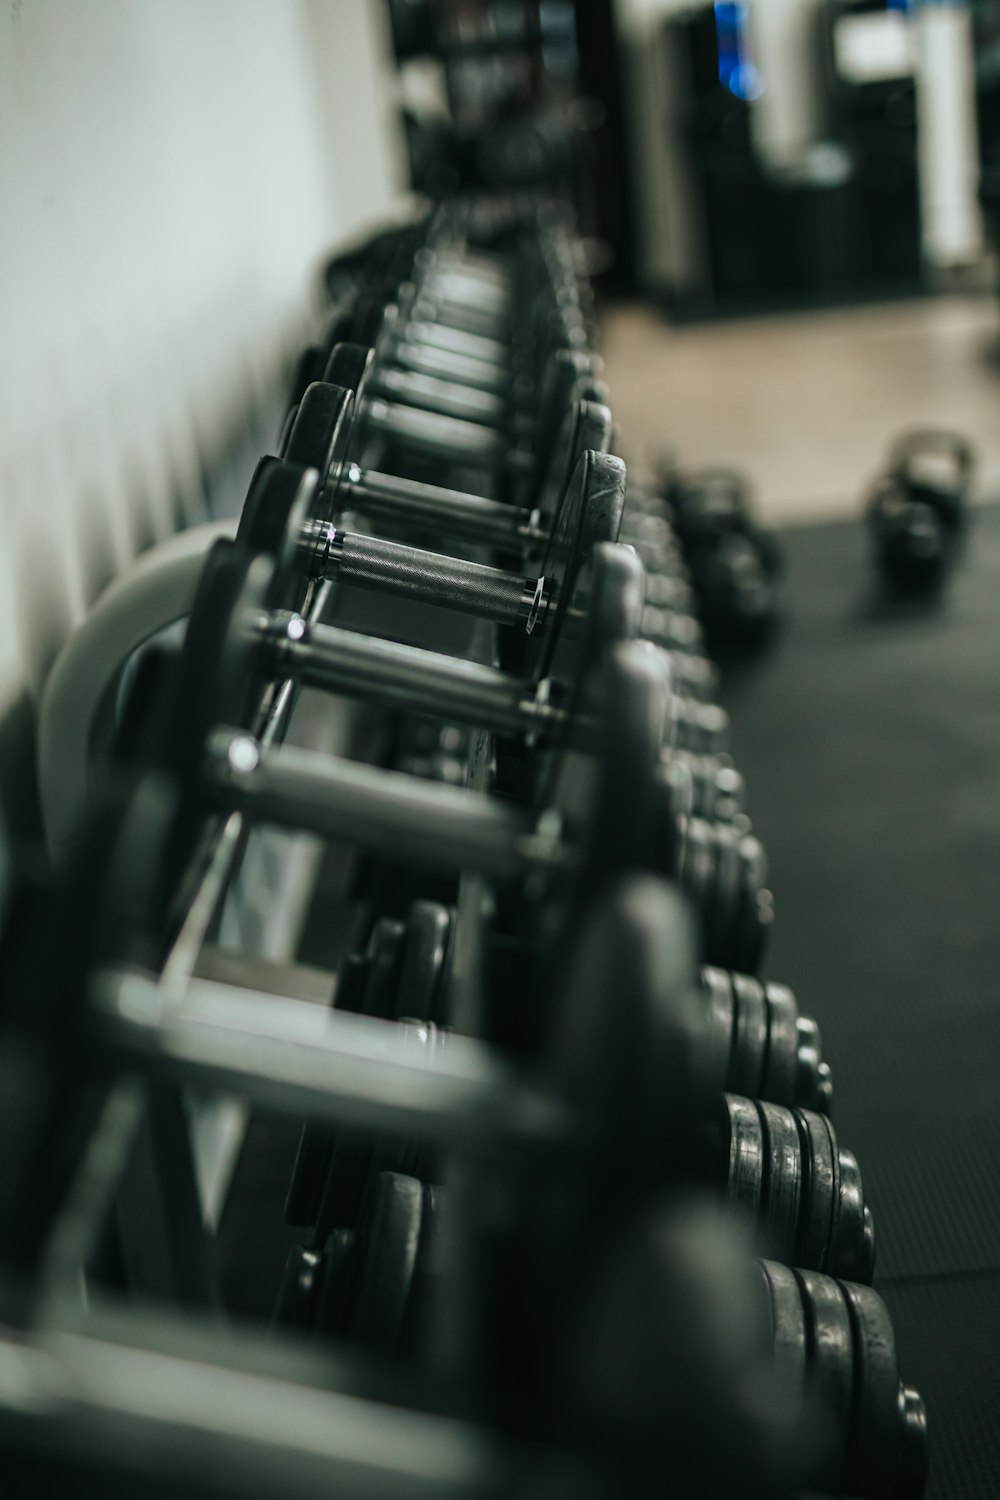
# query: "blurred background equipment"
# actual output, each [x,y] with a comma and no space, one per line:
[918,511]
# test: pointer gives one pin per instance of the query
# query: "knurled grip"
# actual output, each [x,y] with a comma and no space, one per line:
[490,593]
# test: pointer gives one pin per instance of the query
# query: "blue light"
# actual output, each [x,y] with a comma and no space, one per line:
[737,71]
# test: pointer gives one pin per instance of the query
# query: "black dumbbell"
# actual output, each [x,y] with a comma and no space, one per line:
[321,436]
[735,565]
[520,457]
[755,1041]
[280,518]
[117,1021]
[627,818]
[578,515]
[226,652]
[801,1191]
[766,1048]
[595,601]
[834,1344]
[326,434]
[917,512]
[271,1049]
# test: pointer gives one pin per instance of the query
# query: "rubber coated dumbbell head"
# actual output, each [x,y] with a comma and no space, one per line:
[800,1190]
[834,1348]
[667,1365]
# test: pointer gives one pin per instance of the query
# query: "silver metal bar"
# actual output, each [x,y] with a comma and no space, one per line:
[494,354]
[131,1416]
[455,285]
[429,393]
[327,1064]
[220,857]
[82,1215]
[463,317]
[409,354]
[406,679]
[435,578]
[387,813]
[441,436]
[454,512]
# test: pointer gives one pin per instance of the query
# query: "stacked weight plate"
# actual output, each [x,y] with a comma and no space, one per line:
[568,1212]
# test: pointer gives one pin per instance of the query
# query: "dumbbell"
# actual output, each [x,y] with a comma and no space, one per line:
[735,565]
[326,433]
[834,1343]
[630,818]
[285,514]
[757,1043]
[227,647]
[321,436]
[396,816]
[502,399]
[801,1192]
[595,603]
[185,1034]
[917,512]
[762,1046]
[521,456]
[639,934]
[353,1196]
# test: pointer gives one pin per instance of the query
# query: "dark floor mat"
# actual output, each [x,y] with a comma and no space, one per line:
[870,740]
[948,1333]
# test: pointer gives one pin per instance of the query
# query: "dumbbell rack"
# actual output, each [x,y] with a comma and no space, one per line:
[548,1132]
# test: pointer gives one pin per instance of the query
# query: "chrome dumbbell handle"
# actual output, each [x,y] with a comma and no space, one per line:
[457,513]
[445,397]
[329,1064]
[427,577]
[387,813]
[405,679]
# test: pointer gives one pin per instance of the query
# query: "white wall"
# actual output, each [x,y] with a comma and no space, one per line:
[170,170]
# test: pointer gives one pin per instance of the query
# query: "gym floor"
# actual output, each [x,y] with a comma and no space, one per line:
[869,735]
[806,405]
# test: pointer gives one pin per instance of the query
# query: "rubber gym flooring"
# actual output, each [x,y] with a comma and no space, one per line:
[869,737]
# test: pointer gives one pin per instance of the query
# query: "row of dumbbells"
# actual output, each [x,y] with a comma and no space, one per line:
[515,1074]
[757,1137]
